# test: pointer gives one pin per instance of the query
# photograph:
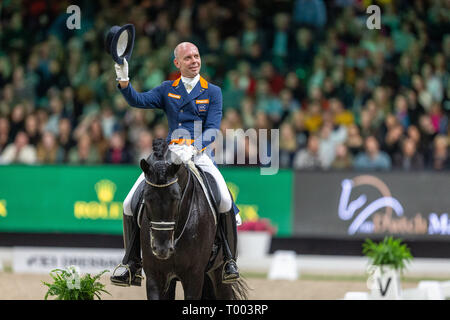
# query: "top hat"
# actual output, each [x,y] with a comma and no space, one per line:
[119,42]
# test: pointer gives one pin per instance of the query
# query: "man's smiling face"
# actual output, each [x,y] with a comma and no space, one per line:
[187,59]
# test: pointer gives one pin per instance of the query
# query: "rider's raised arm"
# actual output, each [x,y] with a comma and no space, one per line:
[146,100]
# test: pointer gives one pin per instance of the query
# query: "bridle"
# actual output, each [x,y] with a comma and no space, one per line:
[162,185]
[162,225]
[170,225]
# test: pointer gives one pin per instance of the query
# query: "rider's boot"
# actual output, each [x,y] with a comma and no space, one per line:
[228,231]
[132,261]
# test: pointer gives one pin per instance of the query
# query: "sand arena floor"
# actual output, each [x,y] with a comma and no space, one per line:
[15,286]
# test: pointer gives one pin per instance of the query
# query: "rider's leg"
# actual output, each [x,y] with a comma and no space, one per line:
[132,261]
[228,216]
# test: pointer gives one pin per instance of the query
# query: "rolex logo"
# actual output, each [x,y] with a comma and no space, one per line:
[234,189]
[248,212]
[105,190]
[105,208]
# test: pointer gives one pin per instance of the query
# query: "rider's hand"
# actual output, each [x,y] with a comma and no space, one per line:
[184,153]
[122,71]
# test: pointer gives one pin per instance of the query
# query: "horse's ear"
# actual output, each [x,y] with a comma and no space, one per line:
[144,165]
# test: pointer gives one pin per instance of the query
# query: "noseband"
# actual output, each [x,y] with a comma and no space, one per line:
[161,185]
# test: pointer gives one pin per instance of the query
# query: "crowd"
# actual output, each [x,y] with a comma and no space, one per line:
[343,96]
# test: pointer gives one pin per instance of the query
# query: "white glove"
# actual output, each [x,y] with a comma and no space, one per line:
[122,71]
[183,153]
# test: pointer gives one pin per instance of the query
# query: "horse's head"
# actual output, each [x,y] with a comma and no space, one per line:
[162,196]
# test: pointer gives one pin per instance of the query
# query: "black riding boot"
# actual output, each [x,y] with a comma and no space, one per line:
[228,232]
[132,259]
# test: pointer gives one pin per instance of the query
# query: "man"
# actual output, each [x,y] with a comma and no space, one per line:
[20,151]
[186,100]
[373,158]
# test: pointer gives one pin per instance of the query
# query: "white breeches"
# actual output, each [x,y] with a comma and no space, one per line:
[204,162]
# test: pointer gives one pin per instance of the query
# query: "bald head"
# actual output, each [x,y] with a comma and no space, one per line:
[187,59]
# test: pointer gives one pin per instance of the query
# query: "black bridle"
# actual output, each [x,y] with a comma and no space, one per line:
[170,225]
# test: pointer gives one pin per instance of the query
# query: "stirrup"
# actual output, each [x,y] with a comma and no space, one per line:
[127,267]
[231,280]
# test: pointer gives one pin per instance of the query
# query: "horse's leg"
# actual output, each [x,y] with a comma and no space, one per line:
[170,293]
[193,285]
[223,291]
[155,288]
[208,292]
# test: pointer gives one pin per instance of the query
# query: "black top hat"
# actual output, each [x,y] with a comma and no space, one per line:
[119,42]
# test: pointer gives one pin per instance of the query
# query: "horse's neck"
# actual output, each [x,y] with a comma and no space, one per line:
[182,175]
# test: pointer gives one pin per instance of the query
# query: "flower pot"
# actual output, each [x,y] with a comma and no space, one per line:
[253,244]
[384,282]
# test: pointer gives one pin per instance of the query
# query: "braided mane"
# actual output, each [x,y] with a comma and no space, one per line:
[159,148]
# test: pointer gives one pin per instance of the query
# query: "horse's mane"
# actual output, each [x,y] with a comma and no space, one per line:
[159,148]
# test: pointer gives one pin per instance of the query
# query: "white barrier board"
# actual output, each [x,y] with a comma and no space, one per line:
[45,259]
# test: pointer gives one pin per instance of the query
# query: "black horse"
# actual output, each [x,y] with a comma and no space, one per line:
[180,236]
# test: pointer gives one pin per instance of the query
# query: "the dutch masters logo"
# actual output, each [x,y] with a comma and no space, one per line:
[104,208]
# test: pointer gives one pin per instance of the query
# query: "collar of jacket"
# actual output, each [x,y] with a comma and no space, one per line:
[203,82]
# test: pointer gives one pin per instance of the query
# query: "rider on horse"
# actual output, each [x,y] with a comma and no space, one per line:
[188,99]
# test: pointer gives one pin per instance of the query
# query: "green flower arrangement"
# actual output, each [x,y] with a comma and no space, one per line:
[389,252]
[69,285]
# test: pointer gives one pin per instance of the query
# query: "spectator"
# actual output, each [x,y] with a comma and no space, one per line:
[267,102]
[48,150]
[4,133]
[440,158]
[144,146]
[343,159]
[288,145]
[438,119]
[401,110]
[308,158]
[303,50]
[273,78]
[310,13]
[408,159]
[289,105]
[329,139]
[392,141]
[280,40]
[372,158]
[17,122]
[32,129]
[64,138]
[97,138]
[341,116]
[84,152]
[354,142]
[248,112]
[427,134]
[251,34]
[301,134]
[117,152]
[19,152]
[313,117]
